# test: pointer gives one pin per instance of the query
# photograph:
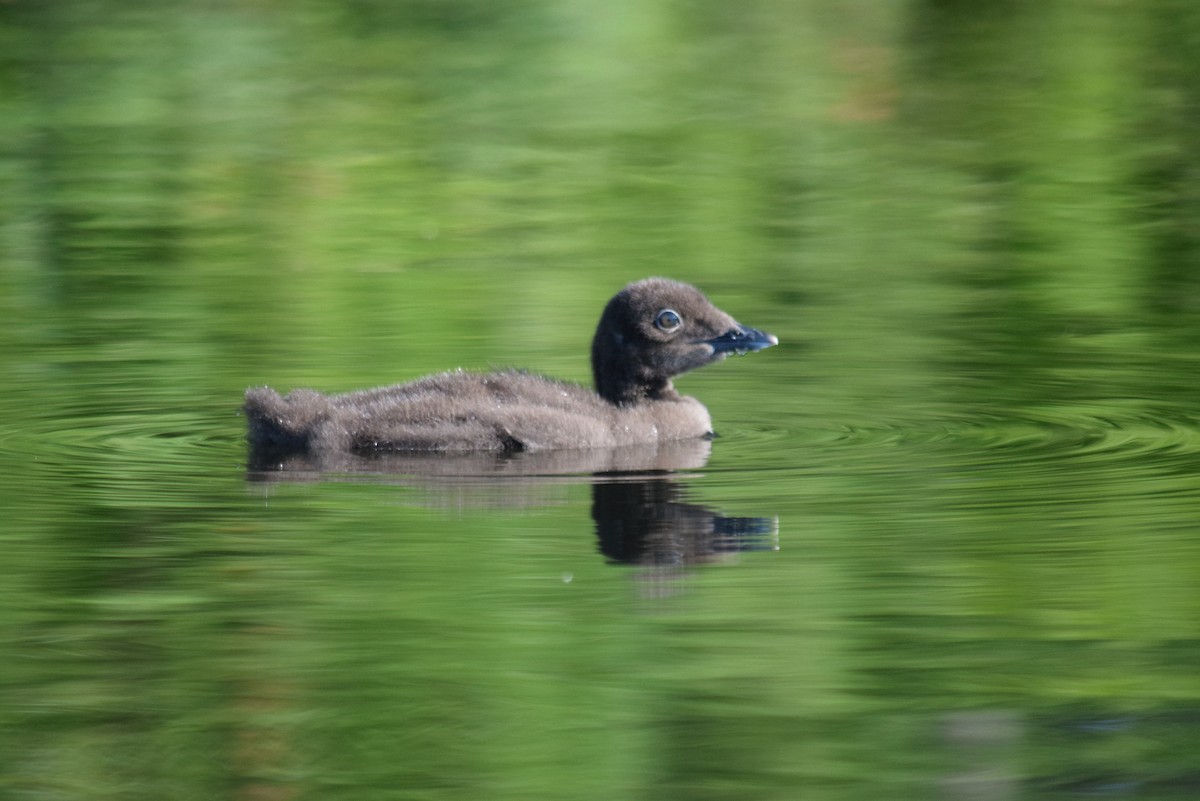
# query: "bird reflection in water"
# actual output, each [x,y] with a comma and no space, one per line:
[647,521]
[640,507]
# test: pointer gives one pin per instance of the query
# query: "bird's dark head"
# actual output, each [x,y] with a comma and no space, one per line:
[656,329]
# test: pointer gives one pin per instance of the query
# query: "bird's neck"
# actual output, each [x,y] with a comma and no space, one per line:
[624,391]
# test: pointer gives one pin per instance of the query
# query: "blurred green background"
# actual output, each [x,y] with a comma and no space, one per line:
[975,229]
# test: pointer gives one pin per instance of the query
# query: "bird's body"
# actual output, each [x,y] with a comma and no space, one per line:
[650,331]
[461,410]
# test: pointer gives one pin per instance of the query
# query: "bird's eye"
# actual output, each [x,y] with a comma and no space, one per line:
[667,320]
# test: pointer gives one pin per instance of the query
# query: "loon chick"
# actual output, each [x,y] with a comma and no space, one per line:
[650,331]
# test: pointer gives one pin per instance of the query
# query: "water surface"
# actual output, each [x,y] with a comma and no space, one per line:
[945,545]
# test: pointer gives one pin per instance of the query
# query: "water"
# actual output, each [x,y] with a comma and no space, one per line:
[944,546]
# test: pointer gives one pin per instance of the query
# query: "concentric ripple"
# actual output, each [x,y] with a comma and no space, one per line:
[1163,437]
[131,455]
[138,449]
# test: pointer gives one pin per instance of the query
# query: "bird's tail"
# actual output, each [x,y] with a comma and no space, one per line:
[286,422]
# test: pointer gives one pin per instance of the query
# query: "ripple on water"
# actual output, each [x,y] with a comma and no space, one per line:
[125,454]
[1043,439]
[173,449]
